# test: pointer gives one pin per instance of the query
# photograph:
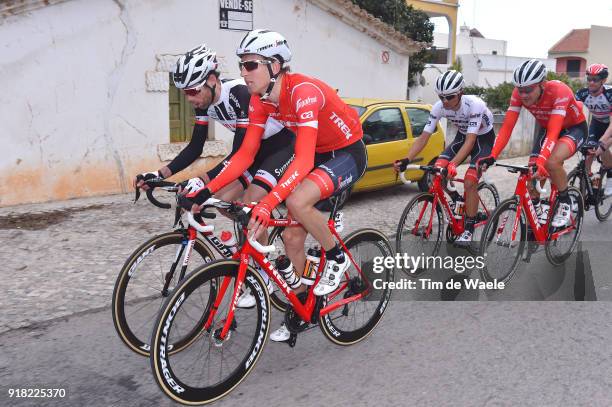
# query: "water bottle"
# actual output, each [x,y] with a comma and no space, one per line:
[285,268]
[228,239]
[543,218]
[459,207]
[313,257]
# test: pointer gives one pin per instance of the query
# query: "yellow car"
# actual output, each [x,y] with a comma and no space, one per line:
[389,129]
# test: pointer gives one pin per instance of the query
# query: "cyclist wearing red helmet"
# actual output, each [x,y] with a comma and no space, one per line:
[597,97]
[563,129]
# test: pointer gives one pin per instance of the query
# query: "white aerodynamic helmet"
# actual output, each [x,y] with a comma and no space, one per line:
[449,82]
[528,73]
[269,44]
[193,68]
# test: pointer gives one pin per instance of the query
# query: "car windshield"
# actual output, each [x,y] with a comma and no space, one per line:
[358,109]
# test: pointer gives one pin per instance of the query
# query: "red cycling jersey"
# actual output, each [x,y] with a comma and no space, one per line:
[321,121]
[557,109]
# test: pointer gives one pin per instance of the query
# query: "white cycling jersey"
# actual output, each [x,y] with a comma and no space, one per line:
[472,117]
[600,106]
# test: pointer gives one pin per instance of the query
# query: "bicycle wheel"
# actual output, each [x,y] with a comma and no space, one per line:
[138,296]
[355,320]
[279,301]
[488,200]
[603,204]
[501,252]
[558,250]
[210,367]
[574,179]
[414,236]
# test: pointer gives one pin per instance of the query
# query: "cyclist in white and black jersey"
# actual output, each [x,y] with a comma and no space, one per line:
[475,137]
[226,101]
[597,97]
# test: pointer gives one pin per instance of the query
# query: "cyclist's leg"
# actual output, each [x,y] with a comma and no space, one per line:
[596,130]
[538,142]
[569,141]
[482,148]
[345,167]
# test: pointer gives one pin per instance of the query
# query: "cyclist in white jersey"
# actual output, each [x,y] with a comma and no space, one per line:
[475,137]
[597,97]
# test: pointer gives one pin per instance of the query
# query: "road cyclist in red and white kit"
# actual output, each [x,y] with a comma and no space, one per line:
[563,131]
[597,97]
[475,137]
[330,155]
[227,102]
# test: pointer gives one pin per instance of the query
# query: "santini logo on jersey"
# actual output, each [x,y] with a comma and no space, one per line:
[304,102]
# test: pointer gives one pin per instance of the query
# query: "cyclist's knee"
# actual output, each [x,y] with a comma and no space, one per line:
[470,184]
[294,237]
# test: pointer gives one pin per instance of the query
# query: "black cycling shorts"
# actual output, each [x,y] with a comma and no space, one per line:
[482,147]
[573,136]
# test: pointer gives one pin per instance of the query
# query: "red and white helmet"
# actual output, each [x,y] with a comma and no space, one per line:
[599,70]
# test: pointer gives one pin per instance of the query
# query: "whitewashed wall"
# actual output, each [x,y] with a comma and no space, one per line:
[83,101]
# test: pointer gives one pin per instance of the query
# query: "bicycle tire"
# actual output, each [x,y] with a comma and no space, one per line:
[165,365]
[489,232]
[402,232]
[600,199]
[136,339]
[474,248]
[334,327]
[577,206]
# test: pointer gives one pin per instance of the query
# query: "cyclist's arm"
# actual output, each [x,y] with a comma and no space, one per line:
[418,145]
[555,124]
[305,141]
[465,149]
[512,115]
[193,150]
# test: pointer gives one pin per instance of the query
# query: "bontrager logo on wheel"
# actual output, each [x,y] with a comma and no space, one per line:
[139,259]
[164,341]
[264,318]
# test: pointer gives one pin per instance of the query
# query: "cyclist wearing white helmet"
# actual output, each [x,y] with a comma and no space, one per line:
[329,152]
[226,101]
[597,97]
[563,130]
[475,137]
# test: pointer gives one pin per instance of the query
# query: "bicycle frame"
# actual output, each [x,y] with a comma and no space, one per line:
[456,225]
[540,232]
[304,311]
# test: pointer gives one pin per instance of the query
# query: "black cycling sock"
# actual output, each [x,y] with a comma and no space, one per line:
[469,224]
[335,254]
[563,196]
[609,173]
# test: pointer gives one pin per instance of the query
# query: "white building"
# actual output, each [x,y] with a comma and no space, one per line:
[85,101]
[484,62]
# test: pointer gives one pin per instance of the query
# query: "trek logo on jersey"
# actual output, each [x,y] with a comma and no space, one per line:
[560,100]
[305,102]
[251,109]
[341,125]
[307,115]
[289,180]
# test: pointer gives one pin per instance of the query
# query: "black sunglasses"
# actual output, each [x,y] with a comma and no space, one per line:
[593,78]
[250,66]
[447,98]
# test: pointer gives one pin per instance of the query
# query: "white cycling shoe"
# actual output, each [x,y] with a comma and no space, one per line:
[608,189]
[465,240]
[331,276]
[281,334]
[562,217]
[247,299]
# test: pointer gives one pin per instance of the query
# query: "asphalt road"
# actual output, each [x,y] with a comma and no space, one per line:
[423,353]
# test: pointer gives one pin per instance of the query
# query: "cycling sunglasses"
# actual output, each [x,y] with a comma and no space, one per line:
[252,65]
[525,90]
[447,97]
[593,78]
[194,91]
